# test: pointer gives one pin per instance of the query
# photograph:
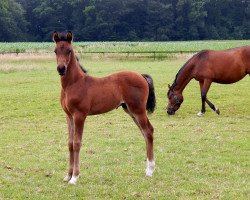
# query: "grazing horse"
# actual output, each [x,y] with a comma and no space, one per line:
[225,67]
[83,95]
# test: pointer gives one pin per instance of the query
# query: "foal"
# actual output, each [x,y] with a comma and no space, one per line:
[83,95]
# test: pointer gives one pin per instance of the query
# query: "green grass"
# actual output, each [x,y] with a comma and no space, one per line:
[35,47]
[196,158]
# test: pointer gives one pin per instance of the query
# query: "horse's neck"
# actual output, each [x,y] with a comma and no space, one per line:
[183,78]
[73,73]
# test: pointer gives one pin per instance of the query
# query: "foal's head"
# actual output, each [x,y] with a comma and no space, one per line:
[175,100]
[63,51]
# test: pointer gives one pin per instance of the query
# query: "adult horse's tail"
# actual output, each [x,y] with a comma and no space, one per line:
[151,102]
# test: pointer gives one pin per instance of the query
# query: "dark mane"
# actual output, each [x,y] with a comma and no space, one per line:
[178,73]
[82,68]
[199,55]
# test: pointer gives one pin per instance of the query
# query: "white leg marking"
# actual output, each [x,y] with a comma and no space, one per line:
[150,168]
[199,114]
[217,110]
[73,180]
[67,178]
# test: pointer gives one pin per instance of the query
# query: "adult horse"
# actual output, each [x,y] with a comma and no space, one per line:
[225,67]
[83,95]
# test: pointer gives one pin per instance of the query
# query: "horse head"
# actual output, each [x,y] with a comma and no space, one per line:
[175,100]
[63,51]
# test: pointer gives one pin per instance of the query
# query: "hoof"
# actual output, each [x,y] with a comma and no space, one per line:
[150,168]
[73,180]
[217,111]
[67,178]
[199,114]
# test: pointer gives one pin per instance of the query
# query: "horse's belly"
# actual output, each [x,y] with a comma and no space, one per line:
[229,79]
[101,110]
[99,107]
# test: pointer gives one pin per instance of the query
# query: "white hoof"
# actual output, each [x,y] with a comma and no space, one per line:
[150,168]
[199,114]
[67,178]
[73,180]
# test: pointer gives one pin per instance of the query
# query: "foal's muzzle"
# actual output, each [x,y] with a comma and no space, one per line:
[61,70]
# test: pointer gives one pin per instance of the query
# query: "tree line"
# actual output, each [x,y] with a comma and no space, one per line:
[130,20]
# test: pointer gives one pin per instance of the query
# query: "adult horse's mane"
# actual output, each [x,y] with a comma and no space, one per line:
[177,75]
[198,55]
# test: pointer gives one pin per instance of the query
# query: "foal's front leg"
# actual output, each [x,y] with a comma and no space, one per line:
[70,146]
[78,120]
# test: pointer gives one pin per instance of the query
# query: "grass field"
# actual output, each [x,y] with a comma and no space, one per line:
[196,158]
[80,47]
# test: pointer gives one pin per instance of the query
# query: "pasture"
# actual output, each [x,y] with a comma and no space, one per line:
[196,158]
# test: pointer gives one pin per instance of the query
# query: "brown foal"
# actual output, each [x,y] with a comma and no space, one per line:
[83,95]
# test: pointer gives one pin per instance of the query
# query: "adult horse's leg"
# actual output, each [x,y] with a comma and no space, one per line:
[78,120]
[204,87]
[70,145]
[213,107]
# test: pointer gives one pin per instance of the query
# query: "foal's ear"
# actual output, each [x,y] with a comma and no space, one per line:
[69,36]
[55,37]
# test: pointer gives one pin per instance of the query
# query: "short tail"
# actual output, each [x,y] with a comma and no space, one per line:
[151,102]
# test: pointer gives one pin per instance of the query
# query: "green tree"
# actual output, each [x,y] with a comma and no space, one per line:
[189,19]
[12,22]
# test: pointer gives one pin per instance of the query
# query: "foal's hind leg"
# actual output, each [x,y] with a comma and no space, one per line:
[147,130]
[141,120]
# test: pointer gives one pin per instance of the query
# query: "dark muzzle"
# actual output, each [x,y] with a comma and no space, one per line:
[61,70]
[170,111]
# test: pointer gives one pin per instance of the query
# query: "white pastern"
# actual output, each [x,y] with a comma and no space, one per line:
[67,178]
[150,168]
[73,180]
[217,110]
[199,114]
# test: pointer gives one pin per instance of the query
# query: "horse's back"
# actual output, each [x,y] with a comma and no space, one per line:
[109,92]
[226,66]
